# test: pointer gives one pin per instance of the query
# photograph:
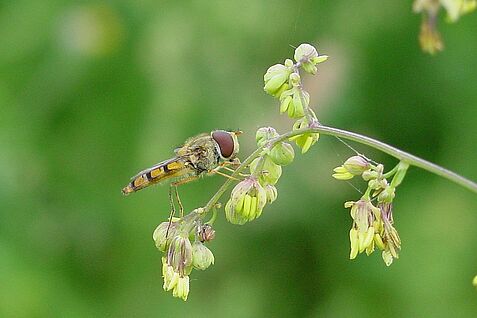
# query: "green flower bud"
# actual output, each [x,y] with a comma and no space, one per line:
[202,257]
[356,165]
[304,53]
[179,255]
[363,213]
[162,236]
[285,100]
[308,57]
[474,281]
[246,201]
[264,134]
[282,154]
[369,175]
[269,171]
[387,195]
[289,63]
[304,141]
[295,79]
[353,166]
[276,79]
[309,68]
[294,101]
[272,193]
[232,215]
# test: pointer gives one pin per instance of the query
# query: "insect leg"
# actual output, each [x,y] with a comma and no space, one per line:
[173,210]
[232,170]
[181,207]
[223,174]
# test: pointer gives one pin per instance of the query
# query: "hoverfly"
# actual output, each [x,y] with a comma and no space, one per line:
[200,155]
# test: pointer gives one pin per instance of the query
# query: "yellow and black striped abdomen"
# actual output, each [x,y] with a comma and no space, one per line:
[172,168]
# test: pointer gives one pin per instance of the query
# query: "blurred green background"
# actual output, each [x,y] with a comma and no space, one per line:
[92,92]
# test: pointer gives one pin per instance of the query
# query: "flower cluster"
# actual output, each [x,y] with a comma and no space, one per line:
[373,225]
[429,37]
[181,256]
[250,196]
[283,81]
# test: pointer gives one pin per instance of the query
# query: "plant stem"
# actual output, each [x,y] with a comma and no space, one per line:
[398,154]
[325,130]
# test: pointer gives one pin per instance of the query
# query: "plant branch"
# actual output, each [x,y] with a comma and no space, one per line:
[398,154]
[325,130]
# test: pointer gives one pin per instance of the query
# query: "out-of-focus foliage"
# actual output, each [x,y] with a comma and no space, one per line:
[91,93]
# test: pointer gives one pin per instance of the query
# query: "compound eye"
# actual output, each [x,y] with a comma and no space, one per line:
[225,141]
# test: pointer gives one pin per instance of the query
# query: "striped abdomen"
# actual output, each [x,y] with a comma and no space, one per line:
[168,169]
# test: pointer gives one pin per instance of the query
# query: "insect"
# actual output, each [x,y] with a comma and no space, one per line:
[200,155]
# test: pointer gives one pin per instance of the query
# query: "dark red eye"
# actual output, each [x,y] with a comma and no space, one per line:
[225,141]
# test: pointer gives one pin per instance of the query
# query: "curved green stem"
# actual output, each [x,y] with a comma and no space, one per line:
[325,130]
[398,154]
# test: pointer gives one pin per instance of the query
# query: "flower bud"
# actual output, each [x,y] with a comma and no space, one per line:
[305,52]
[356,165]
[232,215]
[288,63]
[202,257]
[474,281]
[246,201]
[269,171]
[163,234]
[307,55]
[294,101]
[276,79]
[304,141]
[179,255]
[387,195]
[264,134]
[272,193]
[369,175]
[295,79]
[206,233]
[282,154]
